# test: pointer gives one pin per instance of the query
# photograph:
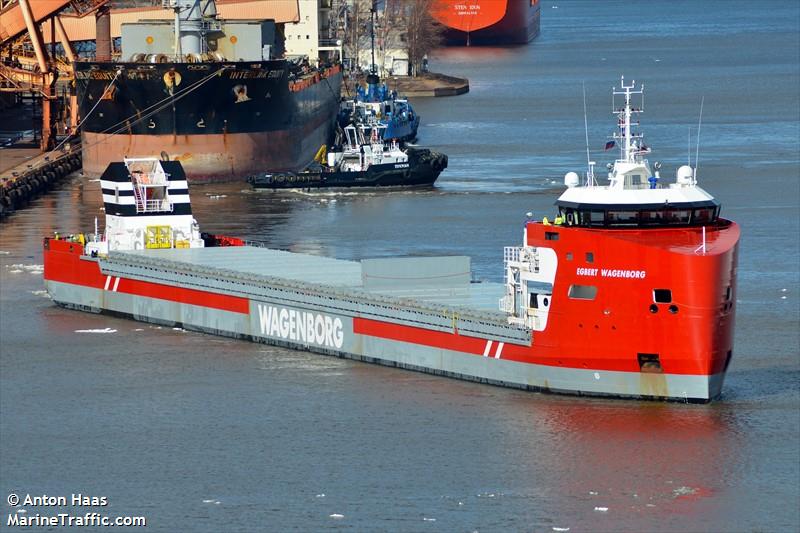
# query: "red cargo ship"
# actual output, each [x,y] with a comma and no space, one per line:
[630,291]
[488,21]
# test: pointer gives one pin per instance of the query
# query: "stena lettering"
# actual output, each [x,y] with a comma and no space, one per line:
[301,326]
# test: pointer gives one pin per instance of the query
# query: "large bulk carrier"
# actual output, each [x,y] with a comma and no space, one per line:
[487,22]
[213,94]
[629,292]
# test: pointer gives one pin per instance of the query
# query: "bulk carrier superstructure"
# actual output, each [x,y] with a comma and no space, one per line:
[216,95]
[629,292]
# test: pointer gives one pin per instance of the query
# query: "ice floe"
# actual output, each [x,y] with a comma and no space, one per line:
[104,330]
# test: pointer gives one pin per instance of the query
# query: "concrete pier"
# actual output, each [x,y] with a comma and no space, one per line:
[25,173]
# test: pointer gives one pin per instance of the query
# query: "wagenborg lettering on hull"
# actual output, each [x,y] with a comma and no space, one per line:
[301,326]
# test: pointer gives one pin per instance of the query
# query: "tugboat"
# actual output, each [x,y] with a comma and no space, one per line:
[629,292]
[364,160]
[378,105]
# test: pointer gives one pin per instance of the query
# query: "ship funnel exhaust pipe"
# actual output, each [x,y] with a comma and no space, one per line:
[103,32]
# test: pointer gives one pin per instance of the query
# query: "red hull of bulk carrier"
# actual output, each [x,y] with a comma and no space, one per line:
[487,22]
[213,157]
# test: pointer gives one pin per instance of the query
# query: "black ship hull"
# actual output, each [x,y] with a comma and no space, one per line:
[422,169]
[222,121]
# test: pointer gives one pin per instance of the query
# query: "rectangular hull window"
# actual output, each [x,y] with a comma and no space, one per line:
[582,292]
[662,296]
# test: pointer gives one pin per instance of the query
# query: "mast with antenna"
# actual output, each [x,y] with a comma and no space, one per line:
[589,163]
[697,152]
[630,150]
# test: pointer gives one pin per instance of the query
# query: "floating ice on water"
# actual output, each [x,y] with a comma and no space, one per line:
[178,329]
[650,505]
[40,293]
[683,491]
[3,252]
[19,267]
[593,492]
[782,290]
[601,509]
[428,519]
[321,495]
[104,330]
[208,501]
[217,502]
[560,528]
[783,297]
[138,329]
[337,516]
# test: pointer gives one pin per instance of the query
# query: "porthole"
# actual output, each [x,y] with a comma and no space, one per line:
[673,309]
[653,308]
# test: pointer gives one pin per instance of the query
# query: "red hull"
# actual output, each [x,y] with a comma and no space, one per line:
[489,22]
[696,337]
[607,333]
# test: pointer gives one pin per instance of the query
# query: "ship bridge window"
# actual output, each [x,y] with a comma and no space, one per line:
[634,180]
[703,216]
[652,216]
[582,292]
[662,216]
[678,216]
[623,218]
[597,218]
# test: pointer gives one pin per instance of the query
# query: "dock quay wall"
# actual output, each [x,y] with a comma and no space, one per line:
[21,184]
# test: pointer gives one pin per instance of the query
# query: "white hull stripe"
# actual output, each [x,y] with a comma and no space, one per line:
[108,283]
[487,349]
[496,354]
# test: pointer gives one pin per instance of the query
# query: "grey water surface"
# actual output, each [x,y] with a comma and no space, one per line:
[199,433]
